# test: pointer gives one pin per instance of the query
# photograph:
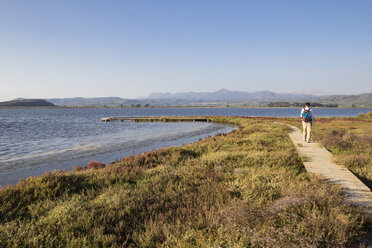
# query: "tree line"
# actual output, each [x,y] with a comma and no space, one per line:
[297,105]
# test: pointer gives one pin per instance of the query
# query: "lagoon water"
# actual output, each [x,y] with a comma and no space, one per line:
[33,141]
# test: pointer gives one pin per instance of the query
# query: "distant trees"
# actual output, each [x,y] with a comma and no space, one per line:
[278,104]
[331,105]
[299,105]
[140,105]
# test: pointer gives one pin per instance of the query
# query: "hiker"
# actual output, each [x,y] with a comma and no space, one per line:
[307,121]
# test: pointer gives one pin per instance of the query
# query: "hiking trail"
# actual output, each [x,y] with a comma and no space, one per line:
[319,161]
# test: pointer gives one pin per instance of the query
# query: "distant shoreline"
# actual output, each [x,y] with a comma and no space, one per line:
[24,107]
[151,107]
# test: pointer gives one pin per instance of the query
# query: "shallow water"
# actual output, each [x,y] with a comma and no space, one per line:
[33,141]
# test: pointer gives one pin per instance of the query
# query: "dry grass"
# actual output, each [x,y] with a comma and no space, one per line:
[245,189]
[349,140]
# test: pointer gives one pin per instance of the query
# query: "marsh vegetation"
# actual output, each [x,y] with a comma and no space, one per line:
[349,140]
[248,188]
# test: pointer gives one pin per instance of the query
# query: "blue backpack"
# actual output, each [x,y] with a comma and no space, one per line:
[305,116]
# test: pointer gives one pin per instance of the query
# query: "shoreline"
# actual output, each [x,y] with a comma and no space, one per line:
[112,156]
[69,165]
[240,188]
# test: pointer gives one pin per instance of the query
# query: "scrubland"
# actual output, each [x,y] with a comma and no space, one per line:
[248,188]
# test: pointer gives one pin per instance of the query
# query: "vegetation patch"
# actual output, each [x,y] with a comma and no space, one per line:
[245,189]
[349,140]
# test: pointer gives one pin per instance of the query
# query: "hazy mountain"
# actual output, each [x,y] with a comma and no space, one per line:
[227,95]
[349,100]
[313,93]
[262,98]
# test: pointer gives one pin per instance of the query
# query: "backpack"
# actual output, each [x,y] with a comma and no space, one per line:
[305,116]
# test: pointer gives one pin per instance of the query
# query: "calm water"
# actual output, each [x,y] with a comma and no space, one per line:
[33,141]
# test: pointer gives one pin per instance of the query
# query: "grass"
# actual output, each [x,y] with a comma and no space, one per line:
[349,140]
[244,189]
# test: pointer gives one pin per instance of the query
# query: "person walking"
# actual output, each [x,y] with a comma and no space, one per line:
[307,121]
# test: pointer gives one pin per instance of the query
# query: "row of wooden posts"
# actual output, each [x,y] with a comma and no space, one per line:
[156,119]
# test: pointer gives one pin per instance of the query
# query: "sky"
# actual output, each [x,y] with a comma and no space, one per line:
[127,48]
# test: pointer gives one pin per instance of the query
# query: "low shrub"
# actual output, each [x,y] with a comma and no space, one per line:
[79,168]
[96,165]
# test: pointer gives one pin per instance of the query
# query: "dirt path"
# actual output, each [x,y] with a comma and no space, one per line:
[319,161]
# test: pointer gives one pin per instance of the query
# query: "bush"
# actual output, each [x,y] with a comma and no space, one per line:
[96,165]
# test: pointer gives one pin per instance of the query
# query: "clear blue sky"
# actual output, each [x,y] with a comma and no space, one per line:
[131,48]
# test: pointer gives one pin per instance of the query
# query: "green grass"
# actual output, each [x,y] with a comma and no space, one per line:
[245,189]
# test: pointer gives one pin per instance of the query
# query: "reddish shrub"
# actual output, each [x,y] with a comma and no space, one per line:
[79,168]
[96,165]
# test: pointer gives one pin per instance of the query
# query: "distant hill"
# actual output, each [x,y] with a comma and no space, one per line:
[27,103]
[221,97]
[227,95]
[361,100]
[266,98]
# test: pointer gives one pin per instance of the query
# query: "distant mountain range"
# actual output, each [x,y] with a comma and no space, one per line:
[221,97]
[227,95]
[182,99]
[361,100]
